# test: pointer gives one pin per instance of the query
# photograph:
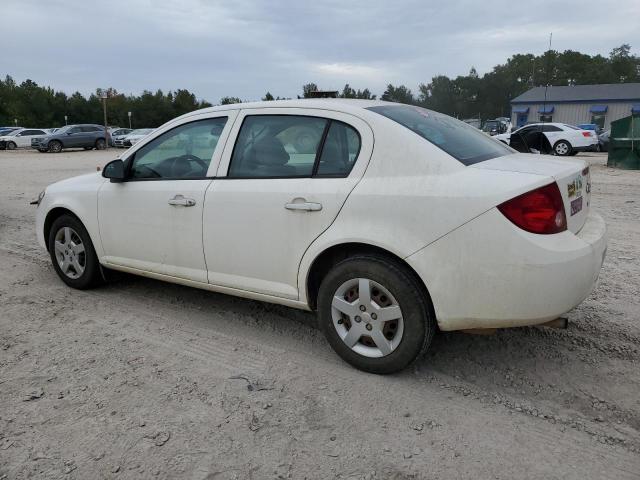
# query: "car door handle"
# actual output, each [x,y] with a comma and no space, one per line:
[305,206]
[181,201]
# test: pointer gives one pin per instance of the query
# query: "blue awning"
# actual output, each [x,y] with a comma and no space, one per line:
[598,109]
[635,108]
[520,109]
[546,109]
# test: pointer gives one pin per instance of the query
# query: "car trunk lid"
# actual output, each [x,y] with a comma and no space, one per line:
[571,175]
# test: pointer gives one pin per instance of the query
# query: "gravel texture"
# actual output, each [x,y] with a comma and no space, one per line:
[142,379]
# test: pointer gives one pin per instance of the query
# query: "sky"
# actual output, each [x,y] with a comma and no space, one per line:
[244,48]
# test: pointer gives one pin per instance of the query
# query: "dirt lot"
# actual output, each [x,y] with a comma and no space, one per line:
[141,379]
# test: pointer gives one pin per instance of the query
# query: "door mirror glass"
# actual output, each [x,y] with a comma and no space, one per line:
[114,170]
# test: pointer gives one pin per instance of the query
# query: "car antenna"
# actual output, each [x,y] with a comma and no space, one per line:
[546,87]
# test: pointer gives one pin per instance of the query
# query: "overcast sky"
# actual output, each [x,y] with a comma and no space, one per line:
[244,48]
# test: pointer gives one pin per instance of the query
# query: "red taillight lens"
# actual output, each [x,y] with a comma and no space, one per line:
[538,211]
[586,134]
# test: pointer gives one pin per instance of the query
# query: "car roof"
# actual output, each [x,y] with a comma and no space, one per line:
[347,105]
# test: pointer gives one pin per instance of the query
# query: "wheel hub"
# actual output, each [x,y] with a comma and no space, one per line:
[367,317]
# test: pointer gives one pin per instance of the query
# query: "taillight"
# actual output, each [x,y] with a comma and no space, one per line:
[586,134]
[538,211]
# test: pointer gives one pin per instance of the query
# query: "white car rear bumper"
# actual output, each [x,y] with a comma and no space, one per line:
[490,274]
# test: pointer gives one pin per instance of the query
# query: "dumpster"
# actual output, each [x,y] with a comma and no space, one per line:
[624,143]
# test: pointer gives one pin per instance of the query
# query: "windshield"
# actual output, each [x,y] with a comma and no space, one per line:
[463,142]
[63,129]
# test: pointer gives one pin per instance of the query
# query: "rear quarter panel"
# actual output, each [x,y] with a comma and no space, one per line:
[412,194]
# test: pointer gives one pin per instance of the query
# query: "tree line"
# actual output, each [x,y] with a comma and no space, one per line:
[465,96]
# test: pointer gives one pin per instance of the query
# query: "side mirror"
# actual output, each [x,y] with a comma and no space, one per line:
[70,133]
[114,170]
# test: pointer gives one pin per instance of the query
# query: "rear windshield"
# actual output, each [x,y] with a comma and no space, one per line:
[463,142]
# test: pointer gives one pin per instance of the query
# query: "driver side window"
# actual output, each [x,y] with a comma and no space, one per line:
[182,152]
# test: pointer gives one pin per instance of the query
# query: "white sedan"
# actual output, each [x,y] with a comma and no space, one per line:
[390,221]
[551,138]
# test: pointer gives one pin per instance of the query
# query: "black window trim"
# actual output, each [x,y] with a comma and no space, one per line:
[128,162]
[316,161]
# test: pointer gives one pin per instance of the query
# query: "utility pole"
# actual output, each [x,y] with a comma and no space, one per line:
[129,113]
[65,120]
[104,97]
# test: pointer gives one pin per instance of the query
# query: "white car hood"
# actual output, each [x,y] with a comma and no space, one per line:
[81,182]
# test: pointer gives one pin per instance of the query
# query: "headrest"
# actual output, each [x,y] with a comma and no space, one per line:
[269,151]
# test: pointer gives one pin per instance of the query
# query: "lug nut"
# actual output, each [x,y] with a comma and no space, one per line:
[362,308]
[374,316]
[340,321]
[357,319]
[369,327]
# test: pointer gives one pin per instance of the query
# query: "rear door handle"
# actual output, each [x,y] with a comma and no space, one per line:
[305,206]
[181,201]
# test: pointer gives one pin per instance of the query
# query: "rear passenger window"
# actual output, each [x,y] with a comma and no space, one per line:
[276,146]
[340,150]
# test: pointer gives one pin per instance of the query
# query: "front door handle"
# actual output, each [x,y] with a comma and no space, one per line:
[305,206]
[181,201]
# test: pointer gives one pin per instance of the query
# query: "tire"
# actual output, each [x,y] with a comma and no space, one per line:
[562,148]
[100,144]
[11,146]
[55,146]
[389,284]
[88,148]
[573,153]
[75,267]
[42,150]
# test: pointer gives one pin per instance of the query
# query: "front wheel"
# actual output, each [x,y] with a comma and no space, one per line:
[562,148]
[72,253]
[101,144]
[55,146]
[11,146]
[374,314]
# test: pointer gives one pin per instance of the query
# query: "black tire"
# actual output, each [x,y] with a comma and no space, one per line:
[54,146]
[100,144]
[11,146]
[418,319]
[88,148]
[562,148]
[573,153]
[91,276]
[42,150]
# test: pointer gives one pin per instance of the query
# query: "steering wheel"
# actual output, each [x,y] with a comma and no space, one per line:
[176,162]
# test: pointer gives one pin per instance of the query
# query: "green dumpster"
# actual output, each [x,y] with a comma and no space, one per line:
[624,143]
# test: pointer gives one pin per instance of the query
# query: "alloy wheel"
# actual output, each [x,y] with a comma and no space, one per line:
[70,252]
[367,317]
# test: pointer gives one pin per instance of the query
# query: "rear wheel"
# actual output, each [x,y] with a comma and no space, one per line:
[72,253]
[374,314]
[562,148]
[88,148]
[55,146]
[100,144]
[11,146]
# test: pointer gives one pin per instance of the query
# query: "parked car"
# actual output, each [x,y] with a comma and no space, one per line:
[550,138]
[20,138]
[135,136]
[117,136]
[591,126]
[603,140]
[494,127]
[433,225]
[6,130]
[87,136]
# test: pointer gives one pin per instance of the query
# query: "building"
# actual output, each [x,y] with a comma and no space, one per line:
[599,104]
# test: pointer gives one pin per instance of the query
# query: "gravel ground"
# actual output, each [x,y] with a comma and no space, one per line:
[141,379]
